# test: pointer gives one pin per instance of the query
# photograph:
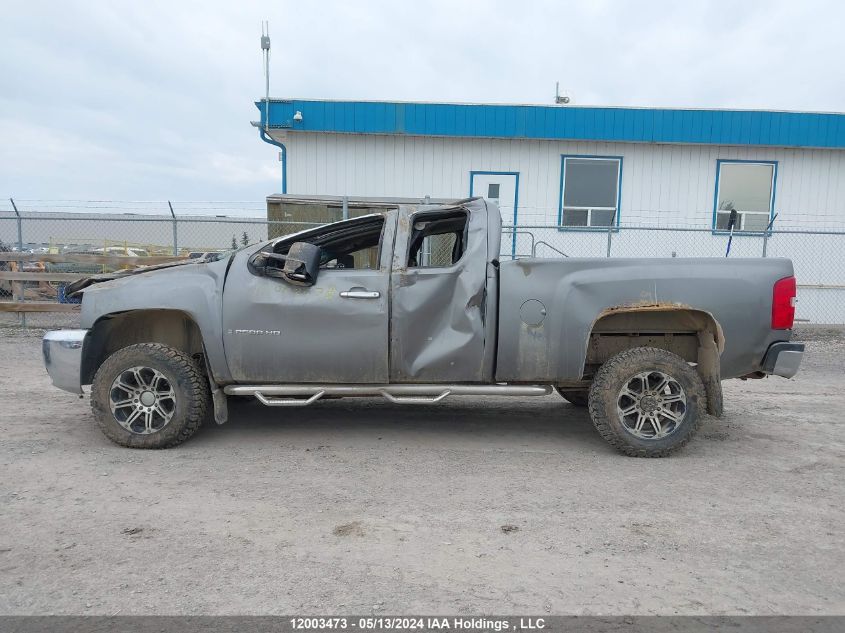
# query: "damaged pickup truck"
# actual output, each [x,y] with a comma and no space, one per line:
[411,303]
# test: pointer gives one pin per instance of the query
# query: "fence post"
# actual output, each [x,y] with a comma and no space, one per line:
[345,207]
[767,232]
[21,296]
[175,232]
[609,238]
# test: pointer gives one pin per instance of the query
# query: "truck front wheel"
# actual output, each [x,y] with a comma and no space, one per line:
[647,402]
[149,396]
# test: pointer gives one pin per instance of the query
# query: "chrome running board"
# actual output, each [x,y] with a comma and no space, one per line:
[304,395]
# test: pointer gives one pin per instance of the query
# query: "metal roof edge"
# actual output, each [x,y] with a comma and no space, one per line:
[575,123]
[568,106]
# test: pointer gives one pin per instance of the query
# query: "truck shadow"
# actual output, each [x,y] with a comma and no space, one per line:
[529,422]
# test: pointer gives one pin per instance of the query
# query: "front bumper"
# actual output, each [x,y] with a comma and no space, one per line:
[783,359]
[62,351]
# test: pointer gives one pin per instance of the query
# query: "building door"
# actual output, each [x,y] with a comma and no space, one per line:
[502,187]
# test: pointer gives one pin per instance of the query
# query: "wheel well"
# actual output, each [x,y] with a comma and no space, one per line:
[112,332]
[694,335]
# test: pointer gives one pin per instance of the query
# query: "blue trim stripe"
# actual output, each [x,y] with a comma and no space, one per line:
[637,125]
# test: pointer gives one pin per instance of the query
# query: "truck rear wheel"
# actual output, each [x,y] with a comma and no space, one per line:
[647,402]
[149,396]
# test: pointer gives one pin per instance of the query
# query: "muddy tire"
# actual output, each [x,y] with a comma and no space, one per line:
[149,396]
[647,402]
[578,398]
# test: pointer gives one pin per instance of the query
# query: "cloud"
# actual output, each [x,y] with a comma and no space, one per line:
[153,99]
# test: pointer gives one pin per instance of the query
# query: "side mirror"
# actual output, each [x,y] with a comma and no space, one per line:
[302,264]
[299,267]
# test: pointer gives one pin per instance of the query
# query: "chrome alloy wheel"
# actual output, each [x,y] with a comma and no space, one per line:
[142,400]
[651,405]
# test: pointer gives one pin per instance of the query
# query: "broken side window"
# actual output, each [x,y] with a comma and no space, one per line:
[353,243]
[437,239]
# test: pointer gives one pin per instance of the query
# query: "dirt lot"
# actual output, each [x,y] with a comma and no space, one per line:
[475,505]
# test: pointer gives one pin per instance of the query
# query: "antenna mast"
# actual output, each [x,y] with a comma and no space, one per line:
[560,99]
[265,50]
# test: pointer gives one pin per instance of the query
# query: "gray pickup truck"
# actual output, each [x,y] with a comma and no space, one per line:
[411,303]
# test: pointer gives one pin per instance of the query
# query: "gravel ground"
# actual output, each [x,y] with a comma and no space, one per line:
[475,505]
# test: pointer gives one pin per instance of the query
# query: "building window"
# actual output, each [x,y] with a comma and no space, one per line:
[748,188]
[493,191]
[590,191]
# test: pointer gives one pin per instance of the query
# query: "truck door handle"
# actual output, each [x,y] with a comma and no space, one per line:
[360,293]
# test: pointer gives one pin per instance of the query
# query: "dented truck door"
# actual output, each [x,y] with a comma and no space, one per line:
[335,331]
[439,295]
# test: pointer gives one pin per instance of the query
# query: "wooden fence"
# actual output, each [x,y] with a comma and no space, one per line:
[25,270]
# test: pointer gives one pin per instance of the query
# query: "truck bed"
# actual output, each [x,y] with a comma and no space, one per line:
[576,292]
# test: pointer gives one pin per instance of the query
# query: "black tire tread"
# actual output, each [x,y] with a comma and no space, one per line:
[601,383]
[198,400]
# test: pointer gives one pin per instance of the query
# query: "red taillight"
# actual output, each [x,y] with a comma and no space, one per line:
[783,304]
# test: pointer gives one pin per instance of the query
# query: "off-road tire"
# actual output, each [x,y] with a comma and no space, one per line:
[578,398]
[183,373]
[616,372]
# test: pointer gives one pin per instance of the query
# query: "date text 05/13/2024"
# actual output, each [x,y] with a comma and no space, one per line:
[388,623]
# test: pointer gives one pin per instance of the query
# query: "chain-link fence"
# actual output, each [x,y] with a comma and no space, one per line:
[818,255]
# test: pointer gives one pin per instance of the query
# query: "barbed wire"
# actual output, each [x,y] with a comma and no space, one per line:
[527,215]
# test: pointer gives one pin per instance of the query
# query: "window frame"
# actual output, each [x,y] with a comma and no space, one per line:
[303,236]
[413,219]
[722,161]
[614,226]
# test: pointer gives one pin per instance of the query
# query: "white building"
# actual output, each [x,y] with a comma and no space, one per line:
[579,171]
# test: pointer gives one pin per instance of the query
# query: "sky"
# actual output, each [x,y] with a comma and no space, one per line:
[128,100]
